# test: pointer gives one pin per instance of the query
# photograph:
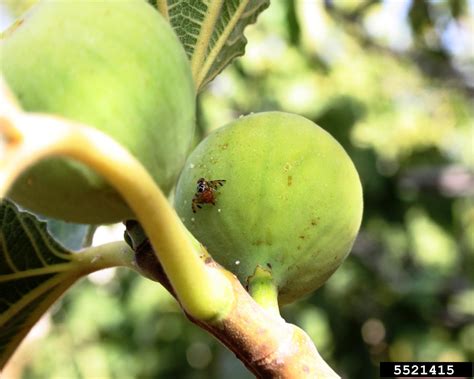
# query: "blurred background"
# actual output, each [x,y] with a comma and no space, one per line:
[393,82]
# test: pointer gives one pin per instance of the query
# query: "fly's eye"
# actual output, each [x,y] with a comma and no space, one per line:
[201,185]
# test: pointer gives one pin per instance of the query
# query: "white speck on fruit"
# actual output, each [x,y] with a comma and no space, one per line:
[192,219]
[191,165]
[237,262]
[183,219]
[185,201]
[219,210]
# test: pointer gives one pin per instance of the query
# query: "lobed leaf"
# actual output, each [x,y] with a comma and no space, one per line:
[211,31]
[34,271]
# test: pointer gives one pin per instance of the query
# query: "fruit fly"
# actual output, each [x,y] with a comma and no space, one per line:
[206,191]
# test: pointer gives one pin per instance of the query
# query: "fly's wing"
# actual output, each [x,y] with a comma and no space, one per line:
[215,184]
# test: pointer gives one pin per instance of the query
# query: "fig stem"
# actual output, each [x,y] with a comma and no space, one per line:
[203,291]
[112,254]
[263,289]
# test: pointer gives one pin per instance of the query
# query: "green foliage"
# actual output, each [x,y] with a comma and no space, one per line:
[35,271]
[211,32]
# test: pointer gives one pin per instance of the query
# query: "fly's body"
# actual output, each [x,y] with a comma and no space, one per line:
[206,192]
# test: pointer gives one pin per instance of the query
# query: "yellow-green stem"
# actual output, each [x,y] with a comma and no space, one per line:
[113,254]
[263,290]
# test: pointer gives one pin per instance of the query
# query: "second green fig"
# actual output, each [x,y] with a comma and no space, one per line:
[116,66]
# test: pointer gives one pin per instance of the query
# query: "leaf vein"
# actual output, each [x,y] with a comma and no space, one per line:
[52,247]
[205,36]
[31,239]
[11,265]
[30,296]
[57,268]
[213,53]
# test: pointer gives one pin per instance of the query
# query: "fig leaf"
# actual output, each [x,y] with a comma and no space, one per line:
[211,31]
[35,271]
[33,274]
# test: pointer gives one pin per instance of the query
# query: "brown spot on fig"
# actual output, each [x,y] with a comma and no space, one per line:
[290,180]
[314,222]
[268,237]
[262,242]
[302,237]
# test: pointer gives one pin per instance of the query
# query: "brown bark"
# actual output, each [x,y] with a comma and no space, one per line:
[267,345]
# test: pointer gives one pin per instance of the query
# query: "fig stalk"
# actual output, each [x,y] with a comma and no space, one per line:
[112,254]
[263,289]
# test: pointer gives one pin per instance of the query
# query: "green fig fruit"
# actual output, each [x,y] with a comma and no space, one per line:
[287,198]
[116,66]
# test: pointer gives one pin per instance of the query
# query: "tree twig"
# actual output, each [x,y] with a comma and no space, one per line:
[267,345]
